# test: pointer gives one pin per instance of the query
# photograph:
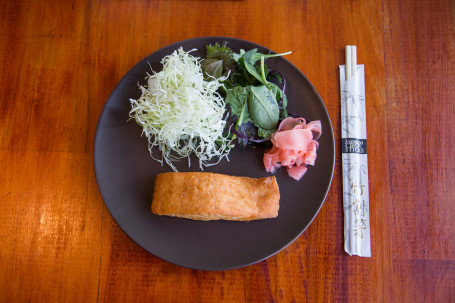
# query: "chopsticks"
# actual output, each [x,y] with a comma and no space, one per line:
[354,157]
[351,60]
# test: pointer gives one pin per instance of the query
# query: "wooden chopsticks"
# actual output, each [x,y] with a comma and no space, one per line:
[351,60]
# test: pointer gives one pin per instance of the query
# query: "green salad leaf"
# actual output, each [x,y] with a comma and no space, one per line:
[237,98]
[256,103]
[212,68]
[263,107]
[219,61]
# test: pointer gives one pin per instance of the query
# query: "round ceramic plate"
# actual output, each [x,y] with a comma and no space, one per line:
[125,174]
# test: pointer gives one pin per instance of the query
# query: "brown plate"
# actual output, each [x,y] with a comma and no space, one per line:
[125,174]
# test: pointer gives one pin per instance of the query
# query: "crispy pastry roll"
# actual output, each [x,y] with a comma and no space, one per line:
[209,196]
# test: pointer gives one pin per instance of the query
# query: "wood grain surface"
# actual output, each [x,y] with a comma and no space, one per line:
[59,61]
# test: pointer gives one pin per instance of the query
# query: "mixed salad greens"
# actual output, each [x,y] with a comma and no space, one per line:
[256,102]
[207,106]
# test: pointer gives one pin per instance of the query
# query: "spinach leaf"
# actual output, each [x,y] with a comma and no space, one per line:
[256,56]
[236,56]
[247,71]
[252,56]
[263,107]
[244,60]
[252,70]
[237,98]
[281,98]
[276,91]
[265,133]
[248,56]
[264,79]
[247,60]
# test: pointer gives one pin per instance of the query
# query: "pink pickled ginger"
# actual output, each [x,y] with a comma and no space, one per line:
[294,147]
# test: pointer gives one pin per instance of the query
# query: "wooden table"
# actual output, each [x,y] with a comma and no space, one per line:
[61,59]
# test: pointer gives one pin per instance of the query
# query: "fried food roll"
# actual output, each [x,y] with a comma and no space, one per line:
[210,196]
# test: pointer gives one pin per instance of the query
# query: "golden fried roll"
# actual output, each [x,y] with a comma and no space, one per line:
[209,196]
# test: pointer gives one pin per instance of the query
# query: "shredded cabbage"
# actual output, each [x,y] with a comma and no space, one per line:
[181,113]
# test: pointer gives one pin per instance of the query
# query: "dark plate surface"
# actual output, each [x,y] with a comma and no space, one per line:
[125,174]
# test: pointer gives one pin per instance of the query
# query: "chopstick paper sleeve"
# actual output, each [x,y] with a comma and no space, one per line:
[355,163]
